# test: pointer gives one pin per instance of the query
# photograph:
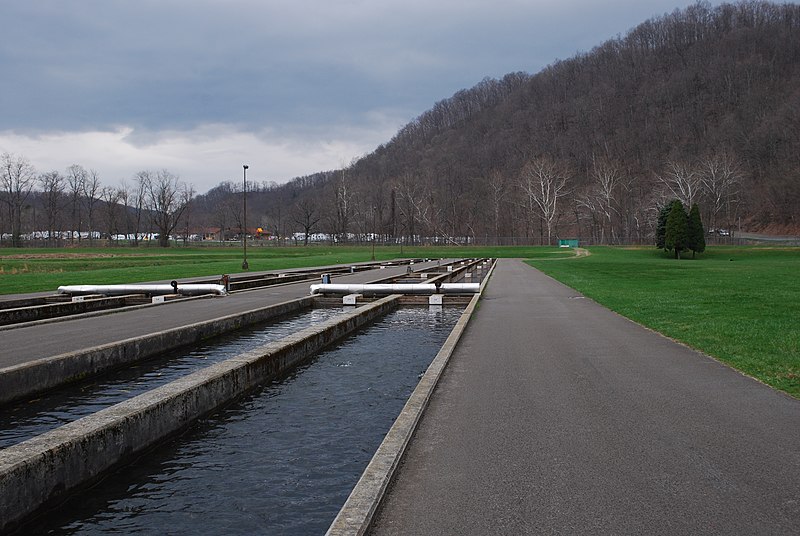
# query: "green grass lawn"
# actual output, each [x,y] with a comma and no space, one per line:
[34,270]
[31,270]
[740,305]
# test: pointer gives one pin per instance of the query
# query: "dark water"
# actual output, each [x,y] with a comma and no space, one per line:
[280,461]
[26,419]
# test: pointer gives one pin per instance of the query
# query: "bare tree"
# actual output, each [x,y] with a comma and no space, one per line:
[165,202]
[233,207]
[307,216]
[216,204]
[586,208]
[683,182]
[497,194]
[52,184]
[379,206]
[124,192]
[721,177]
[17,178]
[607,176]
[276,221]
[91,189]
[544,183]
[343,207]
[76,177]
[111,198]
[411,197]
[222,212]
[187,195]
[134,199]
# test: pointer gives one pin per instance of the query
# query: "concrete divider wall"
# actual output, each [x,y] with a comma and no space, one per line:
[45,467]
[21,302]
[32,313]
[452,276]
[36,376]
[358,511]
[269,281]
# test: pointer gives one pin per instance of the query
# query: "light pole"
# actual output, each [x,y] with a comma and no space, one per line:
[373,233]
[245,266]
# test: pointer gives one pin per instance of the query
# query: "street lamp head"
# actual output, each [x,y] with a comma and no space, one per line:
[245,166]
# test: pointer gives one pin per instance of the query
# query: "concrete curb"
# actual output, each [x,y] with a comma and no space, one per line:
[105,312]
[356,515]
[46,467]
[40,375]
[46,311]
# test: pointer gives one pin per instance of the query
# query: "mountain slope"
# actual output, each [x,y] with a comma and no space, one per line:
[673,98]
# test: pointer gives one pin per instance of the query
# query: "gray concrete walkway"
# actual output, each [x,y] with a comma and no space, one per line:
[557,416]
[26,344]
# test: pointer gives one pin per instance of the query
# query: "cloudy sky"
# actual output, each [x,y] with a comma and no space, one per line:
[292,87]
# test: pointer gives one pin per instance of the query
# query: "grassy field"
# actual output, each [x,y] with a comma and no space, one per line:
[740,305]
[34,270]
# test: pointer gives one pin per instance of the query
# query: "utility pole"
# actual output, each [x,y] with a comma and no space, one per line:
[245,266]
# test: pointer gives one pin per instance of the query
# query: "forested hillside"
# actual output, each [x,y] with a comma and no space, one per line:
[702,105]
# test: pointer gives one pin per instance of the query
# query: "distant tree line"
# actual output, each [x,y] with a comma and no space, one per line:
[73,206]
[700,106]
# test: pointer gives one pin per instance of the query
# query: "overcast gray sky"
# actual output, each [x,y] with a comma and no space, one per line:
[201,87]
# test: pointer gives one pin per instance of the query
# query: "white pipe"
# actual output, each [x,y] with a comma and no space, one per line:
[193,289]
[397,288]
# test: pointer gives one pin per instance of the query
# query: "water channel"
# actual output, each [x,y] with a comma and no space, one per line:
[279,461]
[28,418]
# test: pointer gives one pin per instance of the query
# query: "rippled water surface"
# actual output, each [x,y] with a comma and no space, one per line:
[280,461]
[24,420]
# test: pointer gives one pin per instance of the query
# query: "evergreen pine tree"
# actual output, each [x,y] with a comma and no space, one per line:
[697,238]
[676,237]
[661,226]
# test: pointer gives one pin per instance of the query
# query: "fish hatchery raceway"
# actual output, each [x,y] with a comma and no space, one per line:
[550,414]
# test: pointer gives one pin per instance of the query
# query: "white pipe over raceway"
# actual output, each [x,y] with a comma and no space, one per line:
[397,288]
[188,289]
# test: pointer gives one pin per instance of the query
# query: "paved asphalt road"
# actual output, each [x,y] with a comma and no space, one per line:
[557,416]
[25,344]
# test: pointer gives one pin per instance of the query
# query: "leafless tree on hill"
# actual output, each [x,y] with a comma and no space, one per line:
[413,206]
[683,182]
[498,190]
[307,216]
[544,181]
[343,207]
[721,176]
[606,178]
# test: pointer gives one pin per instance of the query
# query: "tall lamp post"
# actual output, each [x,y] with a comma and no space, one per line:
[373,233]
[245,266]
